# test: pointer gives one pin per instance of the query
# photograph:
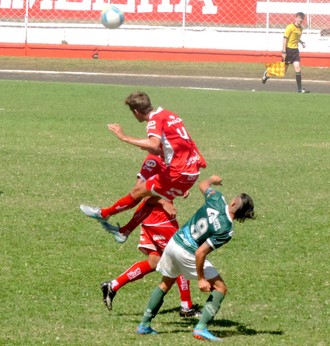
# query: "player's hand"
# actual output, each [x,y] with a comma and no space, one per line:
[186,194]
[169,209]
[216,180]
[204,285]
[117,130]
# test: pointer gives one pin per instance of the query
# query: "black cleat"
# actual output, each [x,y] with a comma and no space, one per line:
[194,311]
[108,294]
[303,91]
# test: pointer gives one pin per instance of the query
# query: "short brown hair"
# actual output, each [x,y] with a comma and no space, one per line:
[139,101]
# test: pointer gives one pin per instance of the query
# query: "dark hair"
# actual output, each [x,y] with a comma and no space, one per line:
[246,211]
[139,101]
[300,14]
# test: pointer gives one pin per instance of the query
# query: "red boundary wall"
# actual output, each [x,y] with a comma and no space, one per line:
[149,53]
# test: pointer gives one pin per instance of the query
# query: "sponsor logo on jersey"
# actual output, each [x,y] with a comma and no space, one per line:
[146,168]
[151,163]
[174,192]
[216,224]
[151,124]
[174,121]
[193,159]
[158,237]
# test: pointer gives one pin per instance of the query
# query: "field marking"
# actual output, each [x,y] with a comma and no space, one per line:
[208,89]
[101,74]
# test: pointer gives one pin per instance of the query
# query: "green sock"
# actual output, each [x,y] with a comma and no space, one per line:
[210,309]
[153,306]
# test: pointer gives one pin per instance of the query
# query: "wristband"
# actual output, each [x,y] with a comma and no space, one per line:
[284,51]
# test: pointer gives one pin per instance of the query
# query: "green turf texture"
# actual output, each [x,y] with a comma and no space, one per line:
[56,153]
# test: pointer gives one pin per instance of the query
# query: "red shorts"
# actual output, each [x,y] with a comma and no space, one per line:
[152,165]
[168,188]
[154,238]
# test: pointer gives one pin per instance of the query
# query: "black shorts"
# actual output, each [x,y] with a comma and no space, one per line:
[292,55]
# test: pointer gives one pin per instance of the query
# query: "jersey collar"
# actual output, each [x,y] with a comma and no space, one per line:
[159,109]
[228,215]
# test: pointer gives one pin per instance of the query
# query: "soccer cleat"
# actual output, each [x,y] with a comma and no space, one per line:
[264,78]
[114,230]
[108,294]
[93,212]
[303,91]
[142,330]
[204,334]
[194,311]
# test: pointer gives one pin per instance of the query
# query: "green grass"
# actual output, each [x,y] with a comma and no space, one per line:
[57,153]
[176,68]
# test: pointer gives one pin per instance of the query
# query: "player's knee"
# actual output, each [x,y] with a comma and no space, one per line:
[221,287]
[139,191]
[225,289]
[166,284]
[153,259]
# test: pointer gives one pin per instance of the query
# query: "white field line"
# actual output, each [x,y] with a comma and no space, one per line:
[150,76]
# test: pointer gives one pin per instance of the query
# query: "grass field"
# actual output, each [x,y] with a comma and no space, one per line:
[56,154]
[176,68]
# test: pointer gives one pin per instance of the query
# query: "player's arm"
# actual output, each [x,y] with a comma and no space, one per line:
[154,152]
[200,256]
[284,45]
[287,33]
[206,184]
[152,143]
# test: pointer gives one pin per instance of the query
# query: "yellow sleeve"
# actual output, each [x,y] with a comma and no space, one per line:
[288,31]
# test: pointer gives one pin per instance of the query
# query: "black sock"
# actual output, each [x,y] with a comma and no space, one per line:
[298,79]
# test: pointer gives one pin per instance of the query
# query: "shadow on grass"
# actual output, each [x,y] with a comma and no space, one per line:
[236,328]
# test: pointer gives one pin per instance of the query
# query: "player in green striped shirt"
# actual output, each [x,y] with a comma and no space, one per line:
[208,229]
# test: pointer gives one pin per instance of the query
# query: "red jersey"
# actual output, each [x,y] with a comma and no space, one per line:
[180,151]
[159,217]
[156,231]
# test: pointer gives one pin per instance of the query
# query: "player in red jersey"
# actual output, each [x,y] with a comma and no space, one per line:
[168,135]
[156,230]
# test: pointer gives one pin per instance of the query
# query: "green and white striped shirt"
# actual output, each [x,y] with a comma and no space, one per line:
[211,223]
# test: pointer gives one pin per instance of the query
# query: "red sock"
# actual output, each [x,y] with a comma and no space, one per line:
[184,288]
[136,272]
[125,203]
[140,214]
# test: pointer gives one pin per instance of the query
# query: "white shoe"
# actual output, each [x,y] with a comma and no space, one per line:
[93,212]
[264,78]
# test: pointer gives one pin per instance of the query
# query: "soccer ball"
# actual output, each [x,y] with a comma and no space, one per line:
[112,17]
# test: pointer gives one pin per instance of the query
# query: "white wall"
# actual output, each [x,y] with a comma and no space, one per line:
[139,36]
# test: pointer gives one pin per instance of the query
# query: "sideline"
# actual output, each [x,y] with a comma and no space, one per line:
[101,74]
